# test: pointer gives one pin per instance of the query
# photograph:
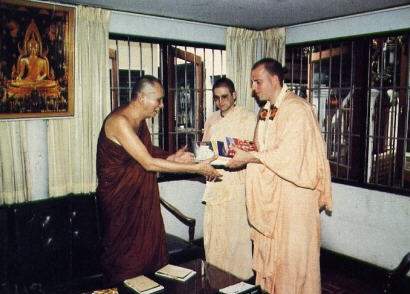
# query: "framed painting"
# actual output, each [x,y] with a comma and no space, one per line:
[36,60]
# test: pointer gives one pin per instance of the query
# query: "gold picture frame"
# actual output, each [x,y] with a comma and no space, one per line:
[36,60]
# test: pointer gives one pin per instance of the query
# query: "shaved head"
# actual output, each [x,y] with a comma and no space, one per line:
[143,84]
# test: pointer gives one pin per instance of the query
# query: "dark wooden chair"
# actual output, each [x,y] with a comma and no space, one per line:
[179,249]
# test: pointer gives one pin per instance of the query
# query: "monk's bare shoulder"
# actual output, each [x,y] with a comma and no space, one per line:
[115,123]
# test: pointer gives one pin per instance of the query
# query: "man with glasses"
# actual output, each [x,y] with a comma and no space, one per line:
[226,231]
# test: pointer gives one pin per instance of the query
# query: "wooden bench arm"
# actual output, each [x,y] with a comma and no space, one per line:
[188,221]
[399,273]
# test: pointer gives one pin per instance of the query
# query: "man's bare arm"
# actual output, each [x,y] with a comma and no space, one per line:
[122,132]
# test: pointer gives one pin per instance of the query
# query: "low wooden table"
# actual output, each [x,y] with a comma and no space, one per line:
[208,280]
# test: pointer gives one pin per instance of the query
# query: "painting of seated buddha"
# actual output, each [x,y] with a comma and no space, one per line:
[32,71]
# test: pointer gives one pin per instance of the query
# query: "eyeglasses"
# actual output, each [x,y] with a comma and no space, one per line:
[221,98]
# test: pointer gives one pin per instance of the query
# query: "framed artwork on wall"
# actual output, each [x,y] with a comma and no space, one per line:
[36,60]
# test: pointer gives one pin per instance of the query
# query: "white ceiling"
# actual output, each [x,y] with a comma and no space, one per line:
[251,14]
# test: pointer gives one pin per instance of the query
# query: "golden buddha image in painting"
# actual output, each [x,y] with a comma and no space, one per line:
[34,63]
[32,71]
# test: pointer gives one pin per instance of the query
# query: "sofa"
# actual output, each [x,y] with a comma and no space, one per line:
[53,245]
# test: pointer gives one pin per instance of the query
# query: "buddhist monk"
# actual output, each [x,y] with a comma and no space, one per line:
[133,235]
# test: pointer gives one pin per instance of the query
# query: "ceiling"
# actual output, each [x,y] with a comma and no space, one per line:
[251,14]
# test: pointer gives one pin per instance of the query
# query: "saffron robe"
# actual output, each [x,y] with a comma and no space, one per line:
[227,241]
[133,234]
[284,195]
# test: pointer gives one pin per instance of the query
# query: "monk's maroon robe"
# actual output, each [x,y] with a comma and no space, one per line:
[133,234]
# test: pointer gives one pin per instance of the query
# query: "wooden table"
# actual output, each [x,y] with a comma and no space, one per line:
[208,280]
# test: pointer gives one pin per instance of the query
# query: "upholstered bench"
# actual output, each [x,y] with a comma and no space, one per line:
[53,245]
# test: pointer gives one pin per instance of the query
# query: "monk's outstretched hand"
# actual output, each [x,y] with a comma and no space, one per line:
[205,168]
[182,156]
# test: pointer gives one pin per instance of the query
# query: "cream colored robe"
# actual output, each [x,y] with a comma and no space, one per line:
[283,197]
[227,241]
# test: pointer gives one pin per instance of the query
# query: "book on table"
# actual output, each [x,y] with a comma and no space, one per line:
[241,288]
[174,272]
[206,149]
[106,291]
[143,285]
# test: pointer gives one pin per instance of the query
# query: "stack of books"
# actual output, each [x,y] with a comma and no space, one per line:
[177,273]
[143,285]
[207,149]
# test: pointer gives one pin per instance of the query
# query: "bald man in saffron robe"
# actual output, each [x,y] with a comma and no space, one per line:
[287,185]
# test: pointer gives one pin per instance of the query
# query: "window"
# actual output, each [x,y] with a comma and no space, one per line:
[359,89]
[187,74]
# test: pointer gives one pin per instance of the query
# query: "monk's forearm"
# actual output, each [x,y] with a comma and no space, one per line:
[163,165]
